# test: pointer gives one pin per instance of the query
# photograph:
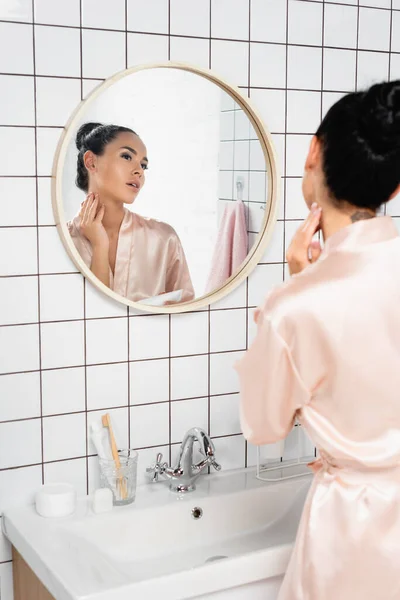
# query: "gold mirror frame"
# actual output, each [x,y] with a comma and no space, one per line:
[270,216]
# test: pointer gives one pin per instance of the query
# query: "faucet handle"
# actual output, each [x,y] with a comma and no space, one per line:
[216,465]
[158,468]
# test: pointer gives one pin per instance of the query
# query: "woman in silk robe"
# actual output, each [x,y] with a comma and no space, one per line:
[137,257]
[327,351]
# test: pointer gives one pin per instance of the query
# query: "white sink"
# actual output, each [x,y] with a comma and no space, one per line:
[156,549]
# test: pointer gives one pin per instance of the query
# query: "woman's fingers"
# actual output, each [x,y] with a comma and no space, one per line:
[302,249]
[91,210]
[85,206]
[315,251]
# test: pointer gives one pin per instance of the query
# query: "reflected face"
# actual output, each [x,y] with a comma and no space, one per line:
[119,172]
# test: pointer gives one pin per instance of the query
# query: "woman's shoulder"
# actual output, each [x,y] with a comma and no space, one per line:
[156,225]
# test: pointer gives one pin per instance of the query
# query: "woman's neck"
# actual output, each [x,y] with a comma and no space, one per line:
[335,218]
[113,215]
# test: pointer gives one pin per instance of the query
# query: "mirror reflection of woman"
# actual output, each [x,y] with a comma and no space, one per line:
[137,257]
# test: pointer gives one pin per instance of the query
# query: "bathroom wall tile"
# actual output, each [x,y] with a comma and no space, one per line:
[340,24]
[152,21]
[262,280]
[223,377]
[189,334]
[258,187]
[52,13]
[62,344]
[393,207]
[20,396]
[304,68]
[149,381]
[339,70]
[395,32]
[230,61]
[228,330]
[256,214]
[268,453]
[227,126]
[274,251]
[103,14]
[63,391]
[268,21]
[49,62]
[296,207]
[107,386]
[61,297]
[235,299]
[47,140]
[297,150]
[14,309]
[16,11]
[103,53]
[190,50]
[17,100]
[68,471]
[16,48]
[148,337]
[68,94]
[12,140]
[267,65]
[257,159]
[20,443]
[305,23]
[271,106]
[64,437]
[144,48]
[19,195]
[45,210]
[106,340]
[190,19]
[303,111]
[89,85]
[235,27]
[374,29]
[225,181]
[186,414]
[230,452]
[53,257]
[377,3]
[395,66]
[189,377]
[156,433]
[373,67]
[18,486]
[224,415]
[119,421]
[99,305]
[241,155]
[242,126]
[19,348]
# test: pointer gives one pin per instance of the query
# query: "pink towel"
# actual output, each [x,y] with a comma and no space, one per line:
[231,247]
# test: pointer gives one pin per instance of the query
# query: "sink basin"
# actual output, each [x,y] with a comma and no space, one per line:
[244,532]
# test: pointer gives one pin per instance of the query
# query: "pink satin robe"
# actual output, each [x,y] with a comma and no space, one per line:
[150,259]
[327,350]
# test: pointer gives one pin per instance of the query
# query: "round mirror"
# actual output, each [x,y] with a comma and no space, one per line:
[165,187]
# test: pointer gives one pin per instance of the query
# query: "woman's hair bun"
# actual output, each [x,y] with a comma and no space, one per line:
[83,132]
[379,114]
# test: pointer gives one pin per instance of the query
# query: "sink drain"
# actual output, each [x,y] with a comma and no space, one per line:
[213,558]
[197,512]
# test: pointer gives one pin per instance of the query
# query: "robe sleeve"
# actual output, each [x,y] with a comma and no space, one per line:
[178,276]
[271,389]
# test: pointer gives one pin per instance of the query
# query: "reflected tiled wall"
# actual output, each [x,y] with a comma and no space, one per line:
[67,353]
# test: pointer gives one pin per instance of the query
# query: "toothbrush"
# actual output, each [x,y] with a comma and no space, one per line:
[105,419]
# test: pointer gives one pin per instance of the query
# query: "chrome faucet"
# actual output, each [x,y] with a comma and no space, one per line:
[185,473]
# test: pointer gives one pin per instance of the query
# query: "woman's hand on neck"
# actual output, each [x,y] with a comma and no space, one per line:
[335,217]
[113,214]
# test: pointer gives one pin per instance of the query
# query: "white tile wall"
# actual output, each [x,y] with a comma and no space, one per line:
[156,375]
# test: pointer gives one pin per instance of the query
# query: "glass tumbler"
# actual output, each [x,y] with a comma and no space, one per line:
[120,480]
